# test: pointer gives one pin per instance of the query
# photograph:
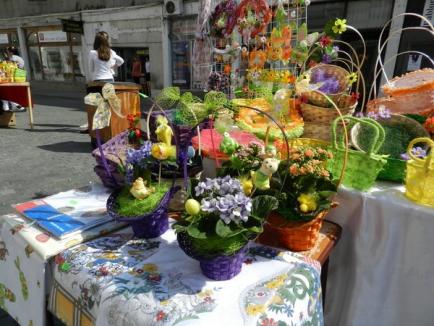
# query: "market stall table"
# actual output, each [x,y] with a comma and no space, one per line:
[19,93]
[33,251]
[381,272]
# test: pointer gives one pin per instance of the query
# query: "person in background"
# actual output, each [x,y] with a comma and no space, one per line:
[148,76]
[12,55]
[136,69]
[103,62]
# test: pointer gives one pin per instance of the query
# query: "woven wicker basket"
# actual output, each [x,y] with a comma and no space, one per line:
[293,235]
[341,74]
[419,181]
[318,120]
[407,129]
[362,167]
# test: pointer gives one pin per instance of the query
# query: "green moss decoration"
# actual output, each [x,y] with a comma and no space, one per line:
[214,245]
[132,207]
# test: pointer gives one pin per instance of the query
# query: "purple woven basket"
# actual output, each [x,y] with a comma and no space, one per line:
[219,268]
[146,226]
[114,148]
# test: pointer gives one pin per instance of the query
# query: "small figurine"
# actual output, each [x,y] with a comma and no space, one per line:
[228,145]
[162,151]
[139,189]
[261,178]
[247,185]
[164,132]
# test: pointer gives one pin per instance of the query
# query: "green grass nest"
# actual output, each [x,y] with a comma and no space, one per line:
[131,207]
[216,246]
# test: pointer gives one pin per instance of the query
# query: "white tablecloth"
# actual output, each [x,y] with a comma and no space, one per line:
[120,280]
[382,270]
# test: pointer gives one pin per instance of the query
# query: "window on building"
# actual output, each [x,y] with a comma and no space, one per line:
[55,55]
[7,38]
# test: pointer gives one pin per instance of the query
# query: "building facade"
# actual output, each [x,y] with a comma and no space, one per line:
[139,28]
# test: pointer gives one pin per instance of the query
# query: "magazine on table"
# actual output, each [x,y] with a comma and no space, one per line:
[70,212]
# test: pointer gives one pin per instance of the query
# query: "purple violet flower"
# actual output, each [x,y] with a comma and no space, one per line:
[419,152]
[326,58]
[225,197]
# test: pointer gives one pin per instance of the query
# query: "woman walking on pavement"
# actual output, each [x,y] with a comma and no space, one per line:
[103,62]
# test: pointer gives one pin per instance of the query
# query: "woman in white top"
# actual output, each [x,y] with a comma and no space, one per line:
[103,61]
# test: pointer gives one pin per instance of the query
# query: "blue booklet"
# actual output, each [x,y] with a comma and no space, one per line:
[68,212]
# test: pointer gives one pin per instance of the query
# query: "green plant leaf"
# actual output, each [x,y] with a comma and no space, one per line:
[194,231]
[263,205]
[326,193]
[256,229]
[225,230]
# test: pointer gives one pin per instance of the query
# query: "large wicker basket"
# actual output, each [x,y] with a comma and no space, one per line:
[318,120]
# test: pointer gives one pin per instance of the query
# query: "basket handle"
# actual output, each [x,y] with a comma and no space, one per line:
[428,160]
[379,135]
[382,44]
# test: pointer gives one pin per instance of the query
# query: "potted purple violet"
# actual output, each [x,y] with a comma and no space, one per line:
[218,222]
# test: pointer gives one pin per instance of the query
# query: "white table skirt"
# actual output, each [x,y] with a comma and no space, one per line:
[382,270]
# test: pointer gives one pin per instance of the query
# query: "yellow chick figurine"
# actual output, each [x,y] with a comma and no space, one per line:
[162,151]
[247,185]
[139,189]
[164,132]
[308,202]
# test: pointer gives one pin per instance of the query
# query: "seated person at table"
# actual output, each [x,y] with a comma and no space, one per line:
[12,55]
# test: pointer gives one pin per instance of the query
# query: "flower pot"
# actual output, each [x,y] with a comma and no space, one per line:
[150,225]
[292,235]
[216,267]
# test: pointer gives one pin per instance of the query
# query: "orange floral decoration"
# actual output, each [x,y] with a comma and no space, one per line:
[257,59]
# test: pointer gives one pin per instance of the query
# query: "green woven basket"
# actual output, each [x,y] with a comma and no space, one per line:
[394,170]
[399,130]
[362,167]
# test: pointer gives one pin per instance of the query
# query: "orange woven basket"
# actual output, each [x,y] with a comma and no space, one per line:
[293,235]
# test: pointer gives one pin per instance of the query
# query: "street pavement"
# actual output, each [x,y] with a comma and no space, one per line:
[52,157]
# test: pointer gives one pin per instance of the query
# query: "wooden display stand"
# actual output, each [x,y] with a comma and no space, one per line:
[128,93]
[7,119]
[19,93]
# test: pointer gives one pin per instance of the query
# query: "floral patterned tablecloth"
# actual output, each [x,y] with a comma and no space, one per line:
[120,280]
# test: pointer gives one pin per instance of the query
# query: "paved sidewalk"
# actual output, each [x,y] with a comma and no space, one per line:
[52,157]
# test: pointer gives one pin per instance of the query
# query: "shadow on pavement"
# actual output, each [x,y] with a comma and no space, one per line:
[68,147]
[71,130]
[54,125]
